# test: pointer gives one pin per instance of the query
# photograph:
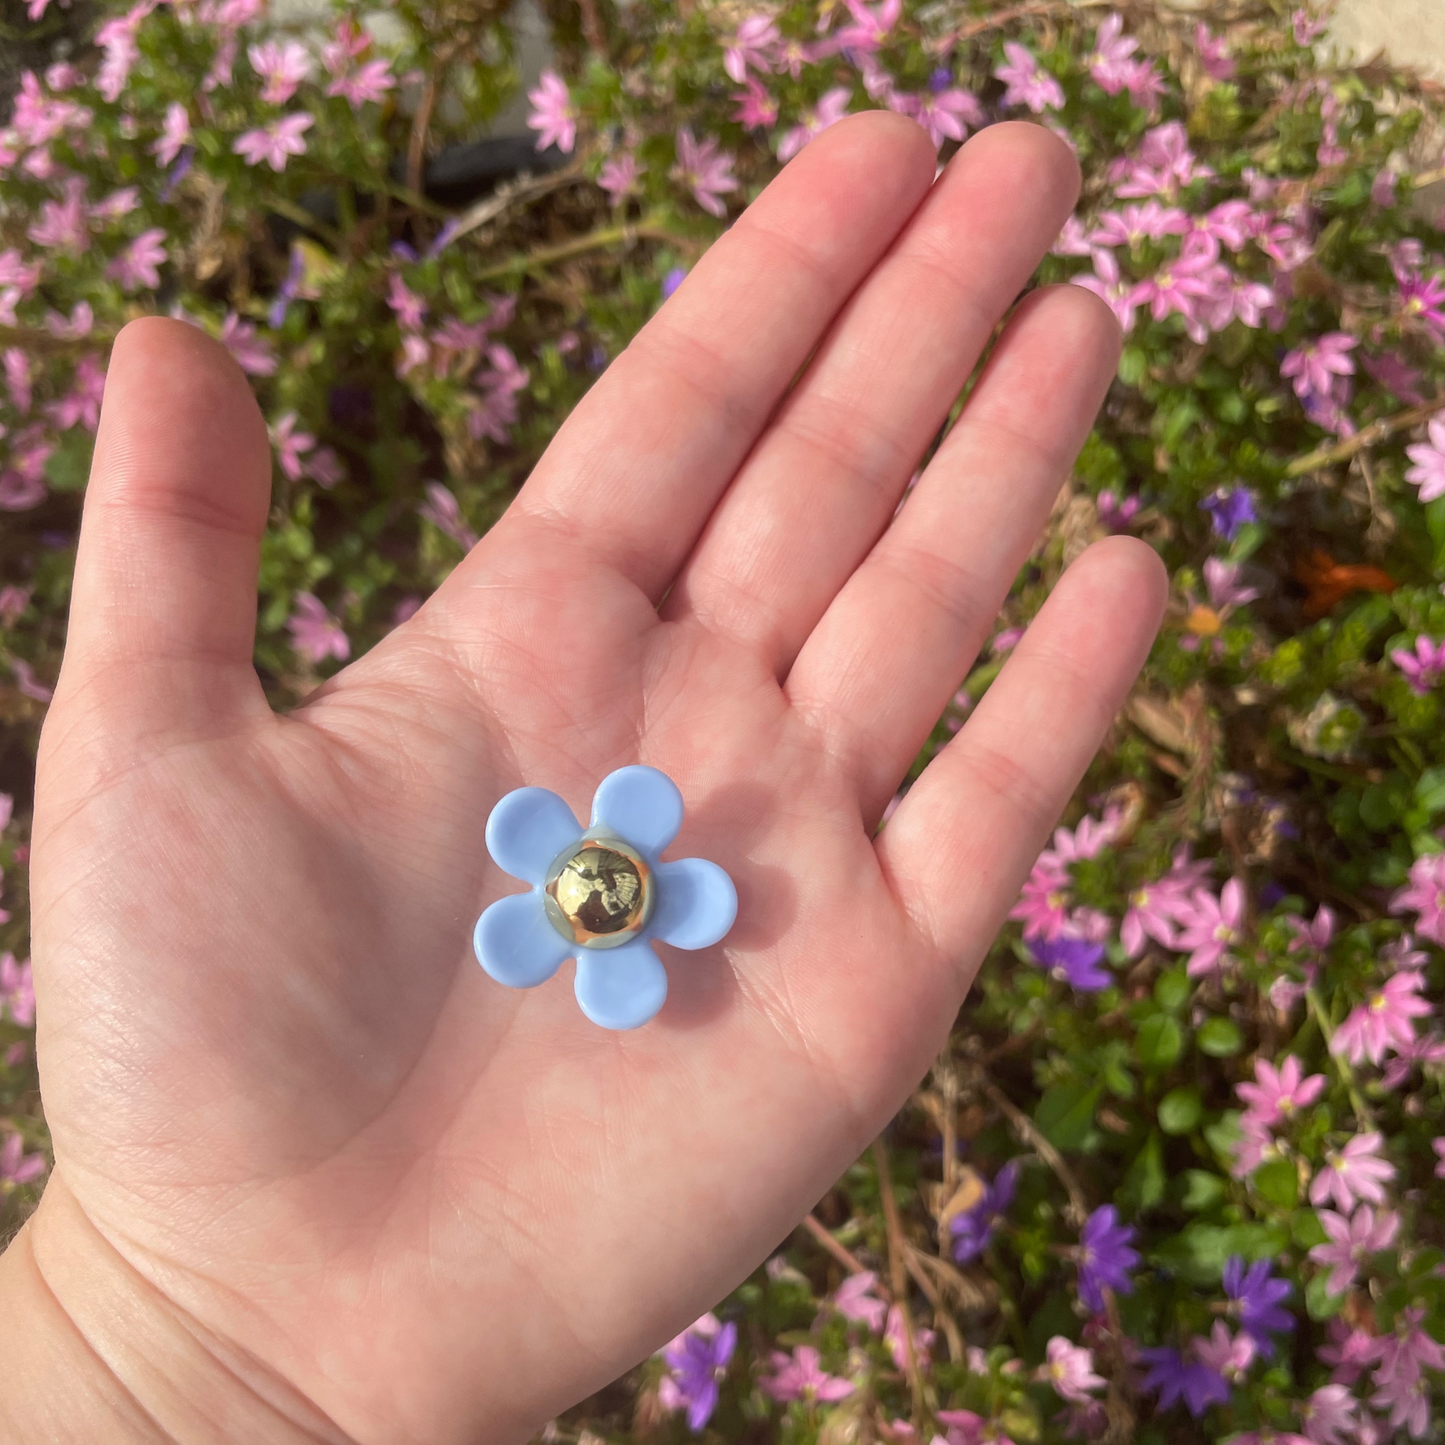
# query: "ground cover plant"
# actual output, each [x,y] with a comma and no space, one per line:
[1178,1174]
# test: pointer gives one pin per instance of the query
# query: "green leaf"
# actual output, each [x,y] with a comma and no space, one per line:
[1144,1183]
[1172,989]
[1202,1190]
[1220,1038]
[1180,1110]
[1306,1229]
[68,467]
[1065,1113]
[1430,791]
[1278,1182]
[1321,1304]
[1159,1041]
[1133,365]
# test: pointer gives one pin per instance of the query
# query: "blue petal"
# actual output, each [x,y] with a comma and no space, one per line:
[516,944]
[696,903]
[527,830]
[641,806]
[620,988]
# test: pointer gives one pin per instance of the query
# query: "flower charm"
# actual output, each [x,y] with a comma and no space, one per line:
[599,895]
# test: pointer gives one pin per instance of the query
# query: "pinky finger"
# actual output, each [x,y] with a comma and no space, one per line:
[963,840]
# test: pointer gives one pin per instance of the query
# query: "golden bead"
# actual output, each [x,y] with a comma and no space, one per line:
[599,893]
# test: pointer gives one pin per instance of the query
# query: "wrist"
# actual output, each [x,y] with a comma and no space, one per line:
[91,1350]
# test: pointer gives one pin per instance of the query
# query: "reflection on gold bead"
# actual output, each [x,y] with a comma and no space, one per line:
[599,893]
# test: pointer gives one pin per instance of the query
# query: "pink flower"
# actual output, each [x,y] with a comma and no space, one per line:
[17,989]
[753,46]
[553,115]
[1230,1357]
[1108,285]
[82,402]
[175,132]
[1180,285]
[17,273]
[705,171]
[409,308]
[1428,1051]
[1352,1242]
[253,353]
[831,108]
[283,65]
[499,384]
[896,1338]
[1213,927]
[946,115]
[1133,224]
[290,444]
[136,265]
[367,82]
[618,177]
[1070,1370]
[1164,164]
[17,378]
[1355,1172]
[1111,53]
[315,633]
[1383,1021]
[17,1167]
[1424,667]
[854,1301]
[1349,1351]
[350,42]
[79,323]
[117,38]
[1328,1416]
[1403,1356]
[1221,580]
[800,1377]
[444,512]
[1027,83]
[1276,1094]
[30,685]
[62,224]
[1154,911]
[756,108]
[323,466]
[275,142]
[1213,54]
[1044,900]
[13,602]
[1428,473]
[1314,365]
[1307,29]
[1313,937]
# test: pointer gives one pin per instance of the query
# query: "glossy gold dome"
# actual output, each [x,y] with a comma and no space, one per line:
[599,893]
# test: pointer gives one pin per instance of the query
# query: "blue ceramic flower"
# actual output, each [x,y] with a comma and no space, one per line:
[599,895]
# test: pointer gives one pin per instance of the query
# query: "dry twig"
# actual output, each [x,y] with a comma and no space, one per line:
[898,1274]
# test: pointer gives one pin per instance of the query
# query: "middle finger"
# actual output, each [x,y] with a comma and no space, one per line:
[826,476]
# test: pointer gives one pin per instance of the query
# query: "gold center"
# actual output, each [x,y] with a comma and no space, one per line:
[599,893]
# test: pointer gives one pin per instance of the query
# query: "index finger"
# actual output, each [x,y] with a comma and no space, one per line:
[639,466]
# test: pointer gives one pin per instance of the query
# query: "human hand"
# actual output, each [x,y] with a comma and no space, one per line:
[316,1175]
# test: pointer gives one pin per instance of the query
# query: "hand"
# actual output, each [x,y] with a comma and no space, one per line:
[301,1139]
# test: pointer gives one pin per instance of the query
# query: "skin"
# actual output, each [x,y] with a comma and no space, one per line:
[317,1177]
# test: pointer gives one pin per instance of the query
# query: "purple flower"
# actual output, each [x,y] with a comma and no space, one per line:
[1105,1257]
[553,116]
[1229,510]
[1074,961]
[705,171]
[1176,1379]
[698,1360]
[1257,1301]
[972,1229]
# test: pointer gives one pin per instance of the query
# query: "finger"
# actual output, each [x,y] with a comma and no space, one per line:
[826,477]
[640,464]
[881,665]
[165,573]
[965,836]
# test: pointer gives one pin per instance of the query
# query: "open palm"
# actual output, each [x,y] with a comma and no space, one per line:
[398,1201]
